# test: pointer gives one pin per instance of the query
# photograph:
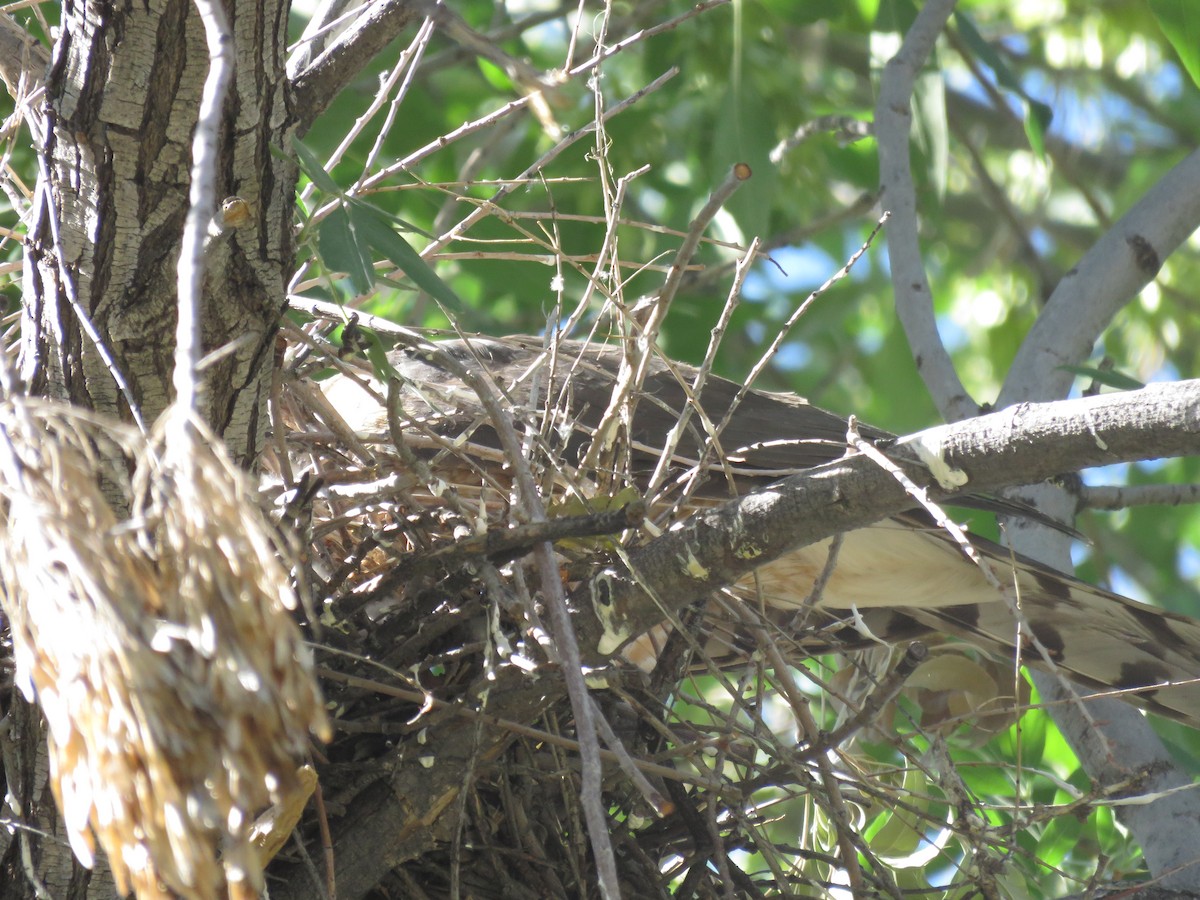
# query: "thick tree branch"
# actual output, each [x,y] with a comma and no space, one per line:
[1112,497]
[1021,445]
[315,86]
[1124,742]
[1125,259]
[322,28]
[1111,274]
[914,298]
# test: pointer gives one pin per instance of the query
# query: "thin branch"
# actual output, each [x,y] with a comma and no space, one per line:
[202,200]
[738,174]
[1126,258]
[1165,829]
[864,717]
[959,536]
[325,20]
[566,644]
[613,49]
[70,289]
[791,237]
[1114,498]
[847,128]
[23,60]
[540,735]
[914,298]
[503,545]
[545,159]
[831,799]
[440,143]
[764,360]
[671,441]
[541,88]
[406,66]
[634,366]
[521,102]
[629,765]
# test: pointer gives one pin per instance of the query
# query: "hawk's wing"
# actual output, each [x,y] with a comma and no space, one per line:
[896,578]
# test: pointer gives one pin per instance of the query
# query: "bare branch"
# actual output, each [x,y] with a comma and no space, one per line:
[23,59]
[1164,828]
[1110,274]
[847,129]
[1113,498]
[1018,446]
[914,298]
[202,200]
[322,27]
[485,209]
[314,87]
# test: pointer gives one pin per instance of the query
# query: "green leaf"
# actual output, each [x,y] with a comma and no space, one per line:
[1058,839]
[1037,120]
[343,250]
[982,49]
[1107,377]
[376,352]
[897,15]
[1180,22]
[868,9]
[311,166]
[1037,114]
[495,76]
[744,132]
[374,227]
[933,126]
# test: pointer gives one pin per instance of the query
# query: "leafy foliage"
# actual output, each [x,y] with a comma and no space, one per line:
[1038,126]
[469,200]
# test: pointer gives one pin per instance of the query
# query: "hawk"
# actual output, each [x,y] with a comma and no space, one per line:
[897,579]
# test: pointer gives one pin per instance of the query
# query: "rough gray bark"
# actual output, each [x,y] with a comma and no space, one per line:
[122,92]
[111,199]
[1024,444]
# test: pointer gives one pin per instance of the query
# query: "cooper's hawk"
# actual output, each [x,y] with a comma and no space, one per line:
[901,577]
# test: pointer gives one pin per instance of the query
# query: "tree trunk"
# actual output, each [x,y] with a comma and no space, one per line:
[110,205]
[123,90]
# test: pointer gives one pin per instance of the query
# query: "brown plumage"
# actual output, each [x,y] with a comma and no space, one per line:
[899,578]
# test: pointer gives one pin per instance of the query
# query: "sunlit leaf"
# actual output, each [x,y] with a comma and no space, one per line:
[377,355]
[494,75]
[744,133]
[868,9]
[1037,121]
[1180,22]
[1037,115]
[929,110]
